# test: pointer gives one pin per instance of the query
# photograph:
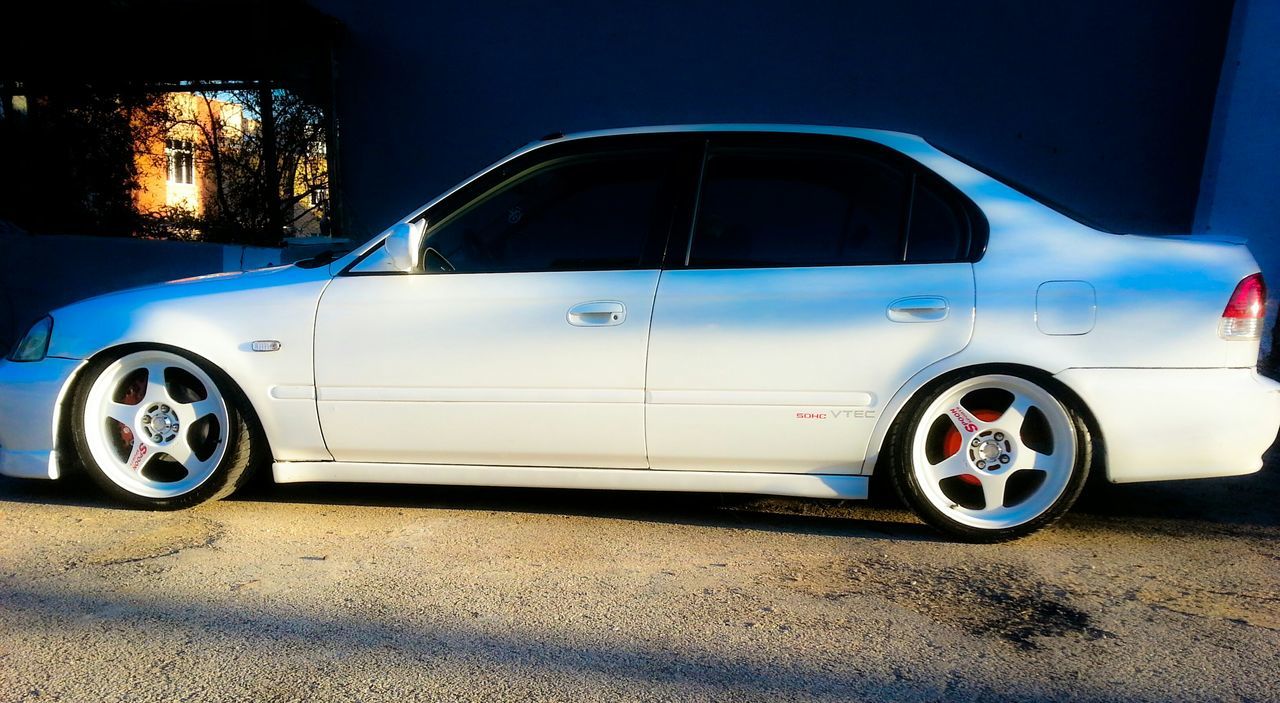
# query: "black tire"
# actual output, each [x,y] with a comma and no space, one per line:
[906,482]
[234,469]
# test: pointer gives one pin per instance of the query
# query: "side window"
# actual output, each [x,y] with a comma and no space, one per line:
[589,213]
[792,208]
[939,227]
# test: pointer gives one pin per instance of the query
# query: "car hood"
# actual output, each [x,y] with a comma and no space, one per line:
[237,303]
[194,285]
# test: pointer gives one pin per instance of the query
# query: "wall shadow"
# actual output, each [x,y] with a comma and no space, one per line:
[498,649]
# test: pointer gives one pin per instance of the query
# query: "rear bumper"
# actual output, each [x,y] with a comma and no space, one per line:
[1163,424]
[30,395]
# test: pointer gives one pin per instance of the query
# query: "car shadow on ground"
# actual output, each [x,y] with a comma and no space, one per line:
[1243,501]
[876,518]
[1252,500]
[749,512]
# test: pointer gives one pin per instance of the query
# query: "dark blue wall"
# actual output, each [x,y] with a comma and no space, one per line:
[1240,194]
[1103,106]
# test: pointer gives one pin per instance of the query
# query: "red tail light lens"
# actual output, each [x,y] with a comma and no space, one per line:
[1242,319]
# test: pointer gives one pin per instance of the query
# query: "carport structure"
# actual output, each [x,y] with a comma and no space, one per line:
[145,47]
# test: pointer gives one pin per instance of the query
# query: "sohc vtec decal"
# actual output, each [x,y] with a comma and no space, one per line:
[835,414]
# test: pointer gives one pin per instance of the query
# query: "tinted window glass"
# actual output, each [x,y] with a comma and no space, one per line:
[797,209]
[594,213]
[939,228]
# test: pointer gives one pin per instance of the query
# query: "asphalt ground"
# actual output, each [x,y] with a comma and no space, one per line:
[1147,592]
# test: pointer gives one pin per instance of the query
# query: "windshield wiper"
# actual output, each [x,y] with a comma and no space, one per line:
[315,262]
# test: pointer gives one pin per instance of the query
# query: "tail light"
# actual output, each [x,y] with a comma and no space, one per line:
[1242,320]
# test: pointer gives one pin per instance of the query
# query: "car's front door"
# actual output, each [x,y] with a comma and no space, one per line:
[819,278]
[523,341]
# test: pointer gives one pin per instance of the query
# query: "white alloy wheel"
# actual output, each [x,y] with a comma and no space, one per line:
[155,424]
[993,456]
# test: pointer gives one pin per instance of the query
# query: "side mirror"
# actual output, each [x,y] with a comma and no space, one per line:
[404,245]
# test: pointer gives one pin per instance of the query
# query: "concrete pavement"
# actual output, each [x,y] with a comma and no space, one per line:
[1144,593]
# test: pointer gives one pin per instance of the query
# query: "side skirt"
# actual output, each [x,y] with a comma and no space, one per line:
[798,485]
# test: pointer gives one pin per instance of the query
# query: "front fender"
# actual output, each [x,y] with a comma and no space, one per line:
[217,318]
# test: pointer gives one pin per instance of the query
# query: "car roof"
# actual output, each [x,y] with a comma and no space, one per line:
[887,137]
[954,168]
[909,144]
[863,132]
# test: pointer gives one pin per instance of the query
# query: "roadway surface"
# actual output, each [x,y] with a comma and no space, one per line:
[1144,593]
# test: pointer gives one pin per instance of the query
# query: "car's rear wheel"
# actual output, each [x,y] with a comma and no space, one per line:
[990,456]
[155,429]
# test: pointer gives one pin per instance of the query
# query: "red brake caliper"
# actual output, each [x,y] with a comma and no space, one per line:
[132,396]
[951,443]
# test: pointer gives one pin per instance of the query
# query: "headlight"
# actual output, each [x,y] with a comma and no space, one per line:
[35,344]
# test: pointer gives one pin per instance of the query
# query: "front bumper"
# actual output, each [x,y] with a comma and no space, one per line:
[30,400]
[1162,424]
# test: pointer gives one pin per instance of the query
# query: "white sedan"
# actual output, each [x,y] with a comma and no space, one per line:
[736,308]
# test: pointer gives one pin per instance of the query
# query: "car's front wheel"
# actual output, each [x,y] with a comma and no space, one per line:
[990,456]
[155,429]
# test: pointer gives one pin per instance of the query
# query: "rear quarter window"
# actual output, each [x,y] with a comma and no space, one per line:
[939,230]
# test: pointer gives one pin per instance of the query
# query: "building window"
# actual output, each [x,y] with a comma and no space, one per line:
[181,160]
[319,196]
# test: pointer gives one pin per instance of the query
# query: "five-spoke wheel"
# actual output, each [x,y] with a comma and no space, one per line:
[155,428]
[990,456]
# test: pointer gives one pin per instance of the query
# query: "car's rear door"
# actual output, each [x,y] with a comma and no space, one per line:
[524,341]
[822,273]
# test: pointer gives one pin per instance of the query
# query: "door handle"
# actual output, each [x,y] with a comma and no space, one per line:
[919,309]
[597,313]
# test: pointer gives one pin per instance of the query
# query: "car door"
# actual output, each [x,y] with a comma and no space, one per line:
[820,276]
[523,340]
